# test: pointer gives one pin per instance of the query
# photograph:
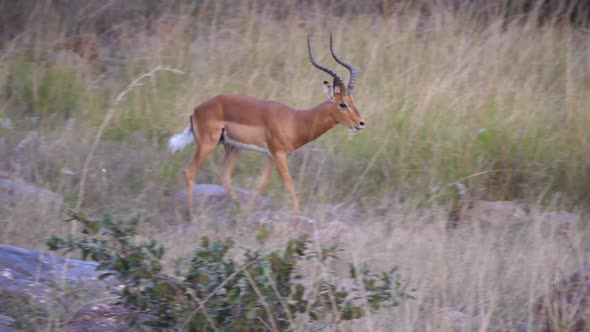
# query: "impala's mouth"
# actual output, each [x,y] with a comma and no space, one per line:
[356,128]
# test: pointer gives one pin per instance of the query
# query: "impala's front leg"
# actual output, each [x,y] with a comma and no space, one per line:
[280,160]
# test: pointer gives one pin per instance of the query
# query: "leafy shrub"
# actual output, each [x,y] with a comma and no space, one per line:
[263,290]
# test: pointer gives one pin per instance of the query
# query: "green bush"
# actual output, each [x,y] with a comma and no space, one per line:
[217,292]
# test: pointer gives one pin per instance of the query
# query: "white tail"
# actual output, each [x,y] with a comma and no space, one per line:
[179,141]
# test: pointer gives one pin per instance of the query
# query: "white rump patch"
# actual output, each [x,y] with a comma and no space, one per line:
[179,141]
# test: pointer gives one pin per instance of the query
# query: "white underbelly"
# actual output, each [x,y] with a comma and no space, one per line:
[244,146]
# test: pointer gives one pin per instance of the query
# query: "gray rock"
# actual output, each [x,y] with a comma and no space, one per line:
[561,221]
[212,201]
[39,282]
[5,322]
[283,225]
[13,189]
[211,194]
[30,265]
[98,318]
[486,213]
[567,305]
[32,294]
[7,329]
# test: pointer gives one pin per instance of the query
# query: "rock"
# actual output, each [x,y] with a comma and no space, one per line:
[30,282]
[452,319]
[285,224]
[5,322]
[76,50]
[560,217]
[212,198]
[98,318]
[566,307]
[23,264]
[13,189]
[20,291]
[333,211]
[6,329]
[210,194]
[486,213]
[562,221]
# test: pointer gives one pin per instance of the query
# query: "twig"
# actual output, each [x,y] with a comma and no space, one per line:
[209,319]
[264,323]
[317,284]
[336,317]
[281,300]
[105,122]
[275,328]
[433,197]
[361,178]
[212,294]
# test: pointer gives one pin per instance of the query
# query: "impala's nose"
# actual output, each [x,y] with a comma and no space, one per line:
[362,125]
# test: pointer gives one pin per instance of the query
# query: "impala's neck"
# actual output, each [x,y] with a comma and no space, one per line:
[315,122]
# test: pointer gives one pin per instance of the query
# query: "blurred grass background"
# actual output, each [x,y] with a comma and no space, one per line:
[497,104]
[483,100]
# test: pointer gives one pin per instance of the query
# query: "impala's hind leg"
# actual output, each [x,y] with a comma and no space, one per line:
[204,149]
[227,167]
[264,176]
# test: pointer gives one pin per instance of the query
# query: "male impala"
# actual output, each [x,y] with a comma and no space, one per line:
[240,122]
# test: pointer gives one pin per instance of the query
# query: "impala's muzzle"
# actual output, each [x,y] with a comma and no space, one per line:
[360,126]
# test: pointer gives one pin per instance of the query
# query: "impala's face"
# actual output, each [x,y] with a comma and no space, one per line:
[348,114]
[344,109]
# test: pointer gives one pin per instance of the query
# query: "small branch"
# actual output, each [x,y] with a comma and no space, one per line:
[278,294]
[105,122]
[361,178]
[275,328]
[507,170]
[209,319]
[202,303]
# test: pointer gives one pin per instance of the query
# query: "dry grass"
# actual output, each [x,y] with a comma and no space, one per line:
[499,108]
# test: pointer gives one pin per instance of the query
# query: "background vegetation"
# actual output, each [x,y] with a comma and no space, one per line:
[462,100]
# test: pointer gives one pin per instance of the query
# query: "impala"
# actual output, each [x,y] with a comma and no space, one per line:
[247,123]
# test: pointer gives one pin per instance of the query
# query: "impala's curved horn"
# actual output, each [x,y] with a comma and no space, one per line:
[337,79]
[348,66]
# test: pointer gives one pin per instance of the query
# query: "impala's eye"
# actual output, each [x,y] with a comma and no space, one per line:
[343,106]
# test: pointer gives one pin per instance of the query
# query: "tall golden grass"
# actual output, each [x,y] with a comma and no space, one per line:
[456,108]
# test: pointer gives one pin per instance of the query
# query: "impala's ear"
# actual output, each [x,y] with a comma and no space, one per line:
[328,90]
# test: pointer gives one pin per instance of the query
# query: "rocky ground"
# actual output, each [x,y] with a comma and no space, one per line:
[50,285]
